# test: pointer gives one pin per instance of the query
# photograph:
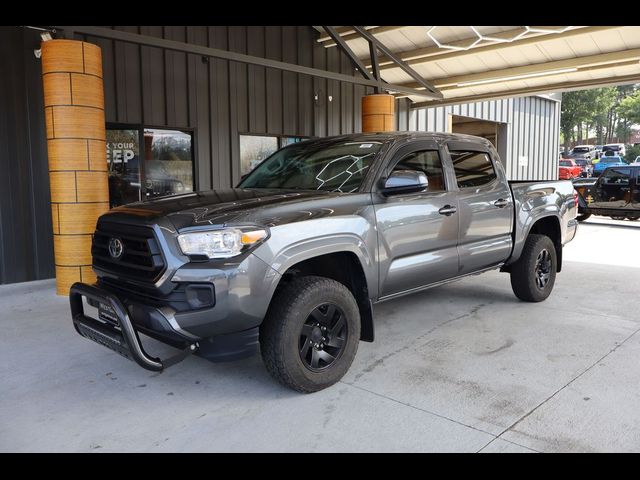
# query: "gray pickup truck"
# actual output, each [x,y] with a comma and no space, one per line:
[292,261]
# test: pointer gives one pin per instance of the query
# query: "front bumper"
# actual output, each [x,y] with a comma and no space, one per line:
[119,336]
[119,332]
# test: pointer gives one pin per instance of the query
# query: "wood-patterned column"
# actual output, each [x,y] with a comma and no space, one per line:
[74,112]
[378,113]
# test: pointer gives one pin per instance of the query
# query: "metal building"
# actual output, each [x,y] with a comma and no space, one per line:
[524,130]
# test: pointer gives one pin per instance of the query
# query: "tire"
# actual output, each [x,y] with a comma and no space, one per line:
[583,216]
[525,273]
[282,340]
[618,217]
[633,219]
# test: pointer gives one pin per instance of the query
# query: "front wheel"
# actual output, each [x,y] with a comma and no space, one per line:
[618,217]
[534,274]
[310,335]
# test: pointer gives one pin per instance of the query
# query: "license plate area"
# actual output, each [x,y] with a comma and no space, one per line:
[108,314]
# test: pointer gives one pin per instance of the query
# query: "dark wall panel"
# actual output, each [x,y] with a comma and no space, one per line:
[26,243]
[218,99]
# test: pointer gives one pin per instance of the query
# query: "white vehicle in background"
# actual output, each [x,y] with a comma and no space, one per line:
[616,148]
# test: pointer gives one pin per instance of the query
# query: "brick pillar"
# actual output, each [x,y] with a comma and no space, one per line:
[378,113]
[74,113]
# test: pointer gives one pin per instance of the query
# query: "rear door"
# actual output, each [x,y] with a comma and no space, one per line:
[418,232]
[485,206]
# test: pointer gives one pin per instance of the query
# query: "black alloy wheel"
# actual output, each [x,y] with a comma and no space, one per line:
[543,269]
[323,337]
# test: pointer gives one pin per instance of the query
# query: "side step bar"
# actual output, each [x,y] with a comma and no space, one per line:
[122,339]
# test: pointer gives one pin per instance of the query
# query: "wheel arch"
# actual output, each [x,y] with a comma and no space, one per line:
[548,225]
[345,267]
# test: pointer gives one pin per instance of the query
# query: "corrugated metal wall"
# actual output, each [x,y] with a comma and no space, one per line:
[533,130]
[218,99]
[221,99]
[26,243]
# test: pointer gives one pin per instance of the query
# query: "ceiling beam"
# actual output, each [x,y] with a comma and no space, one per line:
[428,54]
[407,69]
[352,56]
[348,33]
[147,40]
[523,92]
[602,60]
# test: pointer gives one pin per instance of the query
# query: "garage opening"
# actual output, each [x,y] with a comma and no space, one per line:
[495,132]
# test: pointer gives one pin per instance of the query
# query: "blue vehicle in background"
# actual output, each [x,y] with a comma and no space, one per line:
[612,161]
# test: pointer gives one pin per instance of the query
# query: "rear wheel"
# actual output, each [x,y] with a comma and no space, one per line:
[583,216]
[633,218]
[618,217]
[534,274]
[310,335]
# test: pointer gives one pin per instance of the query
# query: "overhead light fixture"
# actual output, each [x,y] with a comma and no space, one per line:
[481,37]
[472,42]
[516,77]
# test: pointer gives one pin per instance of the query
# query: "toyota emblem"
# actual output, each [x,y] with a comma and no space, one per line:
[116,249]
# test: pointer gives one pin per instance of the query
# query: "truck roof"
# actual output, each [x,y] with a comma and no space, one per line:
[398,136]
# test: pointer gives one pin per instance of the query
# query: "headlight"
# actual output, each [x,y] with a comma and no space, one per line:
[219,243]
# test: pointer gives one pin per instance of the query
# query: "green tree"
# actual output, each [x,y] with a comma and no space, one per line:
[629,107]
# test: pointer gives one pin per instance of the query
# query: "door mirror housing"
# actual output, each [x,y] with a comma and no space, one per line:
[405,181]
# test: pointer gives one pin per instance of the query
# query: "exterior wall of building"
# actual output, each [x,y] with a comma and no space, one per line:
[217,99]
[26,240]
[532,126]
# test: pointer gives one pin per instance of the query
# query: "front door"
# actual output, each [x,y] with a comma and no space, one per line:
[485,207]
[417,232]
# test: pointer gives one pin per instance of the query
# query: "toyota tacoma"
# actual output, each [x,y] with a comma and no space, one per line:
[293,260]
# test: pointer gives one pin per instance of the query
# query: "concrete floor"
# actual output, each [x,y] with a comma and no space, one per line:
[464,367]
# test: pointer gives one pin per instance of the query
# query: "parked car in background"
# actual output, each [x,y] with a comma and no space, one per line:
[586,152]
[616,148]
[569,169]
[614,161]
[598,149]
[616,194]
[585,166]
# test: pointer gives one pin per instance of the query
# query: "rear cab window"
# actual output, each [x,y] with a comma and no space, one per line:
[472,168]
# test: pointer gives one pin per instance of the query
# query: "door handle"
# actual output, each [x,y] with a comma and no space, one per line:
[447,210]
[501,203]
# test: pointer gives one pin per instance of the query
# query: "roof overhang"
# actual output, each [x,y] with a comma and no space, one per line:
[472,63]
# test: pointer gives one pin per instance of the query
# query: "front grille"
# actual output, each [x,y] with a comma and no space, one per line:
[141,258]
[179,298]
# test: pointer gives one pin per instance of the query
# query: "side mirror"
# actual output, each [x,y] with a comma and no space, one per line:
[405,181]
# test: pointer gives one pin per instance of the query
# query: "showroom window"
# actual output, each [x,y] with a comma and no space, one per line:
[255,148]
[166,167]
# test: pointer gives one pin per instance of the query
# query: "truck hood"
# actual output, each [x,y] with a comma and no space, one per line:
[231,206]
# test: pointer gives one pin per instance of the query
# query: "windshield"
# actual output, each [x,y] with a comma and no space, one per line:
[337,167]
[580,150]
[565,163]
[581,162]
[615,148]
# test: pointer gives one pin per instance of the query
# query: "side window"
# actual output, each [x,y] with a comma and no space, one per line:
[472,169]
[427,161]
[616,176]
